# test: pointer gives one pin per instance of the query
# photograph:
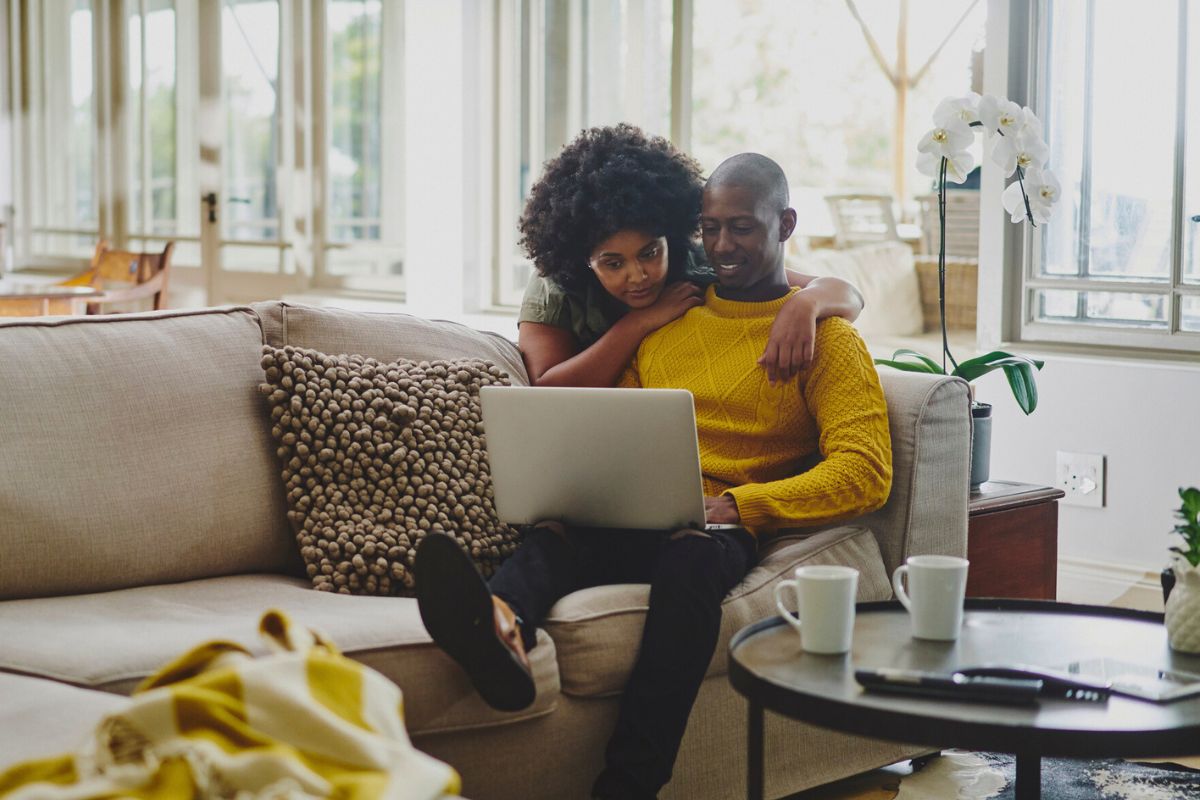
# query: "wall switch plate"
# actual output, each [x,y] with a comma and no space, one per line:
[1082,477]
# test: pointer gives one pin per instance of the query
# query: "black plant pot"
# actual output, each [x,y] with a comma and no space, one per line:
[981,443]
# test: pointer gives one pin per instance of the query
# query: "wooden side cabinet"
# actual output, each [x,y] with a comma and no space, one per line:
[1012,541]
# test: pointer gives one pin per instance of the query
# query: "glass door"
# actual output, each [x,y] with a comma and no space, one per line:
[243,153]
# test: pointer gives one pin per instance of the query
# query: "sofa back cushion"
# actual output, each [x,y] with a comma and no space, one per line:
[385,337]
[136,449]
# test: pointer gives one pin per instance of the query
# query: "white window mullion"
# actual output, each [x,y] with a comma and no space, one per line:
[187,104]
[1174,310]
[507,151]
[393,197]
[145,164]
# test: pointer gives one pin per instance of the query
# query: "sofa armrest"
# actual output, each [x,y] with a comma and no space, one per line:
[926,512]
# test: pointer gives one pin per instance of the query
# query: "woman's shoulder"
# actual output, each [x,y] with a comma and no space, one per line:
[546,302]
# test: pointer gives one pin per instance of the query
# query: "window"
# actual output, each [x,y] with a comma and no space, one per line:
[60,141]
[1119,264]
[814,88]
[364,143]
[162,189]
[564,65]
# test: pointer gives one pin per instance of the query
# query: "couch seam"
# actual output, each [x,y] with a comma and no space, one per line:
[52,678]
[141,316]
[642,609]
[483,725]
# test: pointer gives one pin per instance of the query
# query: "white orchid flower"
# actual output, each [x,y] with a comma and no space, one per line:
[929,164]
[965,108]
[1014,202]
[1025,150]
[958,165]
[1042,189]
[1031,122]
[998,114]
[950,137]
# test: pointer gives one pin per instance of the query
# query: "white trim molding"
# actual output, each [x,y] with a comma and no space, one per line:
[1082,580]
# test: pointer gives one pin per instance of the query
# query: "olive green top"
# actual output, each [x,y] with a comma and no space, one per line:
[587,312]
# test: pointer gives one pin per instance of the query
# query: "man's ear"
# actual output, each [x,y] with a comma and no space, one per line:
[787,224]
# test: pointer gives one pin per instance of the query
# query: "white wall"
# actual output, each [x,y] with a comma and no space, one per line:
[1145,417]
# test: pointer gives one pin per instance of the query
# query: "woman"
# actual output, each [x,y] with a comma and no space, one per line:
[611,229]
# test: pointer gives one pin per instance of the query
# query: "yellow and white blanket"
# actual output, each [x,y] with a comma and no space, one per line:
[302,722]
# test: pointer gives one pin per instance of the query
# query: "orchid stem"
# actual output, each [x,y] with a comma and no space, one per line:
[942,266]
[1025,197]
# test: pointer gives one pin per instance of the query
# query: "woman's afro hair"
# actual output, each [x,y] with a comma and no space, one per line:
[609,180]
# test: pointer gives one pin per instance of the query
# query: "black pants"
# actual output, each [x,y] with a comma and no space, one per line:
[689,573]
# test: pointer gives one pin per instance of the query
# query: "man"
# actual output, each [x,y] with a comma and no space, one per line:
[755,438]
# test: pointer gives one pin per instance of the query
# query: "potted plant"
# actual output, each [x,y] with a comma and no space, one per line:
[1182,590]
[1015,144]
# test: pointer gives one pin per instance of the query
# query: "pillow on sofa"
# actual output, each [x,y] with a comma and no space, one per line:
[886,275]
[376,455]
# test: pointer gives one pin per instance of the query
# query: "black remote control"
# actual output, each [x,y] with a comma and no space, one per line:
[951,686]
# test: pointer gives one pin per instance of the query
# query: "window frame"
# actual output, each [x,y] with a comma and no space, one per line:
[1098,335]
[393,196]
[508,116]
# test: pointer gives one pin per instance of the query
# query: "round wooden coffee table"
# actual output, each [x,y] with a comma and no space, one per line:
[767,665]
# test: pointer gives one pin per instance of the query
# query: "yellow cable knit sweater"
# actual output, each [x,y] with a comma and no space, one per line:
[758,442]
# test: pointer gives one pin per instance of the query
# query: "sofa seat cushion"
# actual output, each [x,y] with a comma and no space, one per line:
[596,631]
[111,641]
[41,718]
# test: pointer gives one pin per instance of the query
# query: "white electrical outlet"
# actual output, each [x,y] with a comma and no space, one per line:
[1081,476]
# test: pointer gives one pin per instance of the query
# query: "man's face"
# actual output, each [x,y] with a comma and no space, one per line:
[741,235]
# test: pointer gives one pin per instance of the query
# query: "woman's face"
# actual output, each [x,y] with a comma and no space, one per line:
[631,266]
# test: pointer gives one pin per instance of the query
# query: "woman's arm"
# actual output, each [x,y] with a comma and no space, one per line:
[834,296]
[790,344]
[552,355]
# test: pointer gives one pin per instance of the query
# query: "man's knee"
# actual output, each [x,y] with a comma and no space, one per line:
[693,558]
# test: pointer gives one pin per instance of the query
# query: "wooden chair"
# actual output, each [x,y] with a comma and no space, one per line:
[862,219]
[146,273]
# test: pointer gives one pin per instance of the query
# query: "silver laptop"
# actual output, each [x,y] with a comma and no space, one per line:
[605,458]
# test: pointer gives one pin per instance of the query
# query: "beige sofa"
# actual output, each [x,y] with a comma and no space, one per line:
[141,512]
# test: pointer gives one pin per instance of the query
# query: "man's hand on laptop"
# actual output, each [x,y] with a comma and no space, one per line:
[721,510]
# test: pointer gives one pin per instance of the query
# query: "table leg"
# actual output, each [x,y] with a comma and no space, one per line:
[1029,777]
[754,754]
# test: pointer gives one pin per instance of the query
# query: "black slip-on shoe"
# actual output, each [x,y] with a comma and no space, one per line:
[456,607]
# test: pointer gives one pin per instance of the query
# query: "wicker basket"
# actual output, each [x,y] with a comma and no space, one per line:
[962,288]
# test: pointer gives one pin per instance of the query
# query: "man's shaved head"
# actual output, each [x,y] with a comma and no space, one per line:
[762,176]
[744,221]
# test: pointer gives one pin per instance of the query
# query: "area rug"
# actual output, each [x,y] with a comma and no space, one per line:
[961,775]
[958,775]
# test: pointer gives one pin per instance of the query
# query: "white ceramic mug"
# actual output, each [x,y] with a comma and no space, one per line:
[825,600]
[936,588]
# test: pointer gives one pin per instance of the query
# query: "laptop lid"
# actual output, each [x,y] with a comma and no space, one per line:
[613,458]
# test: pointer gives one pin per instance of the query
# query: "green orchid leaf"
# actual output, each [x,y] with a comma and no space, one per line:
[1020,380]
[976,367]
[933,365]
[909,366]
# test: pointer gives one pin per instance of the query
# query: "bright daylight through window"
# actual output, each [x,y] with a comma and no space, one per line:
[1120,263]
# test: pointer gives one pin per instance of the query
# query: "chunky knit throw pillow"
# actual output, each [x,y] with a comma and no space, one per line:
[375,456]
